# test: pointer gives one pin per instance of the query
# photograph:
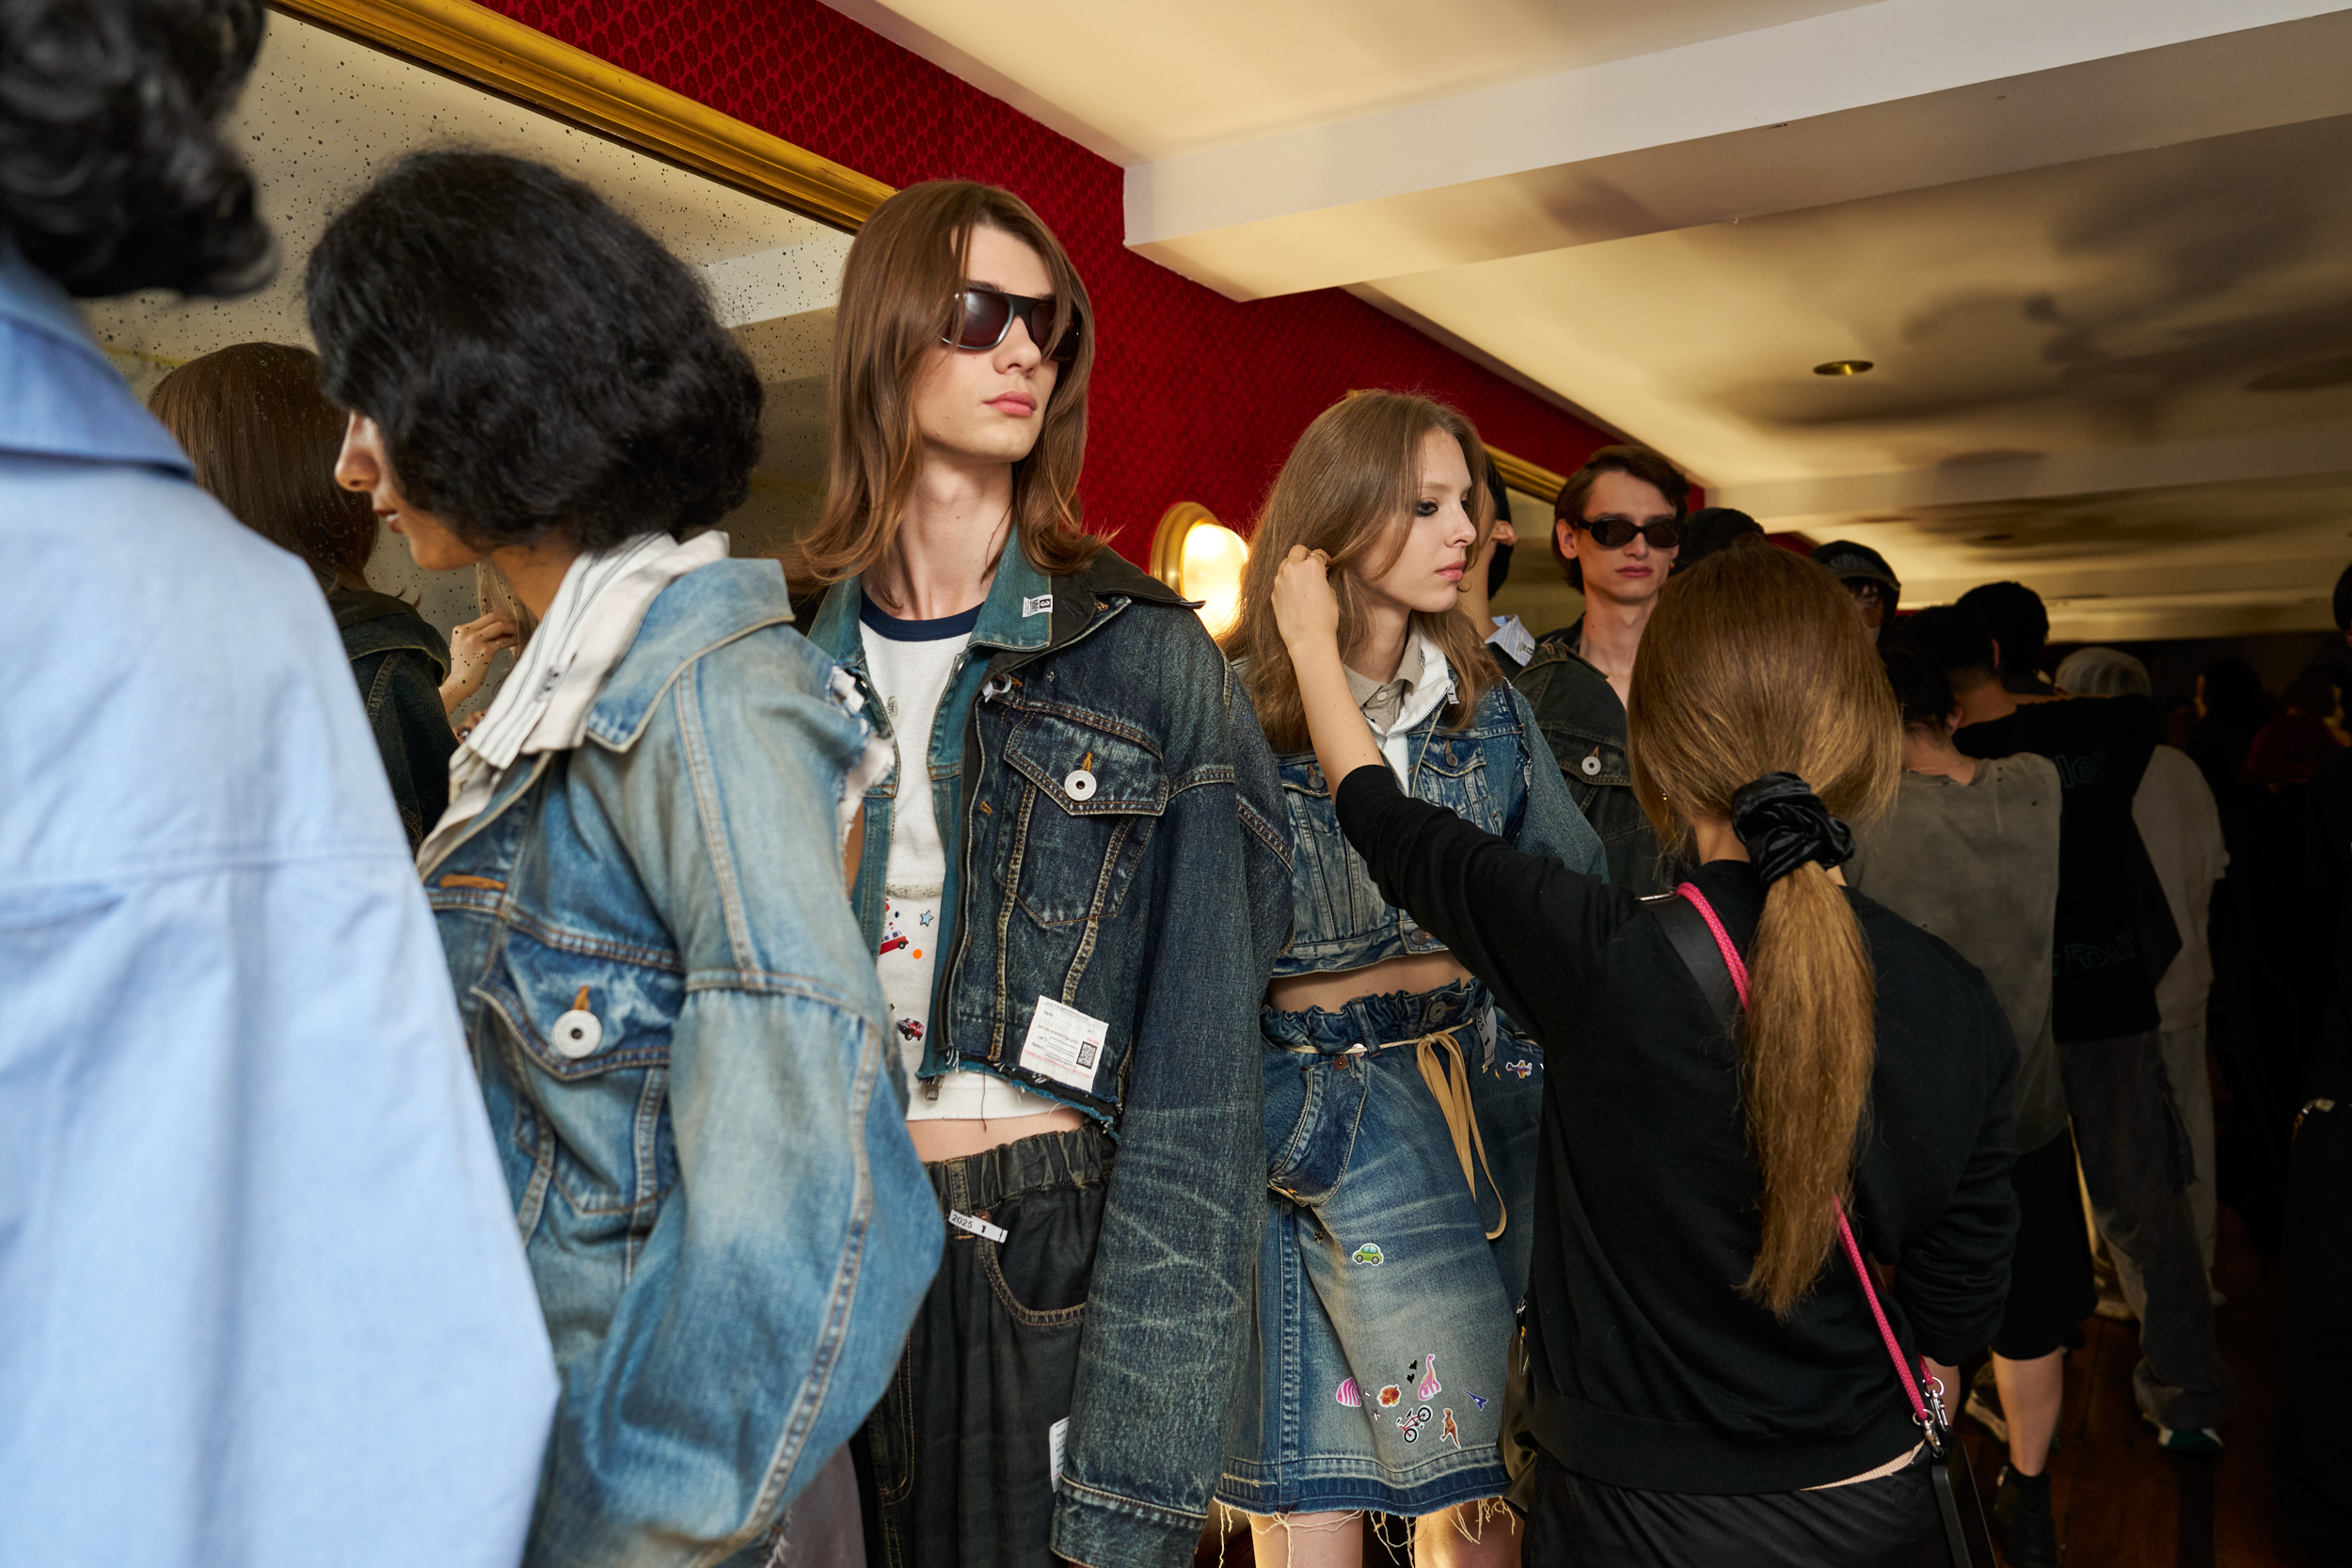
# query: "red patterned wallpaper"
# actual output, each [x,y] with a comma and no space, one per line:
[1196,397]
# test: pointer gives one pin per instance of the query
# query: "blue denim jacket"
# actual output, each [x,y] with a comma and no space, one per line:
[726,1219]
[1155,904]
[1495,771]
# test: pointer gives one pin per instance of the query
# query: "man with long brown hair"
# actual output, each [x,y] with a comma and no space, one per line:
[1616,531]
[1075,880]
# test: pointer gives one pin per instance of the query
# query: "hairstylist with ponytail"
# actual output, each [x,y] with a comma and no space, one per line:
[1709,1385]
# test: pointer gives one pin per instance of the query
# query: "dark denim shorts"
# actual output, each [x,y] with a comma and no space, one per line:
[1385,1313]
[964,1442]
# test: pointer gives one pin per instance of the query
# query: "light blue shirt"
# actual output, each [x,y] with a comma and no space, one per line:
[261,1300]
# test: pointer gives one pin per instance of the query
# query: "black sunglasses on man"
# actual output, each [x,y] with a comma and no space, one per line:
[983,315]
[1612,531]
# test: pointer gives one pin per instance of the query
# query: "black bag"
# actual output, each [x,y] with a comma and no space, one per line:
[1705,949]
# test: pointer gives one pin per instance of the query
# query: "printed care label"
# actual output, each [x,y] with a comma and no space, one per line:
[1054,1436]
[1063,1044]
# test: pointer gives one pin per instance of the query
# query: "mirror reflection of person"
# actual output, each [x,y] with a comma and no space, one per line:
[1616,532]
[639,880]
[263,442]
[1687,1291]
[1392,1087]
[263,1301]
[1076,882]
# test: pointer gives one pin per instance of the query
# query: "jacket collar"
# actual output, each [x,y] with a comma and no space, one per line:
[707,609]
[1026,610]
[59,395]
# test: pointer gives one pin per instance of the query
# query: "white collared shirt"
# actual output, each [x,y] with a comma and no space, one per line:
[544,705]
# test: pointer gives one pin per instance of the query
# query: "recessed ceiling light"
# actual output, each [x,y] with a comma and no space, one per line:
[1842,366]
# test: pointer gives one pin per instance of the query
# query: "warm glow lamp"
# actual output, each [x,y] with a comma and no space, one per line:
[1201,558]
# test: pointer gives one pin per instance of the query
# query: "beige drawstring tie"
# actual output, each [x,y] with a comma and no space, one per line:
[1452,1093]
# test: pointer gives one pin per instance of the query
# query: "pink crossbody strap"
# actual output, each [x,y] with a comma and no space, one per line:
[1845,1232]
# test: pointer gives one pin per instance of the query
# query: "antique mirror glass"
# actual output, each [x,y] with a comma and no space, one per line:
[325,112]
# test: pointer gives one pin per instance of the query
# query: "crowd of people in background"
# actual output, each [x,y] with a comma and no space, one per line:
[917,1053]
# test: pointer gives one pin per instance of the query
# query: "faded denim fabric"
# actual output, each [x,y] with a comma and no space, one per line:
[1583,724]
[1156,904]
[1375,1257]
[729,1225]
[264,1301]
[1495,772]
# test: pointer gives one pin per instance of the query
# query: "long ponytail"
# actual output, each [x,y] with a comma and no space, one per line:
[1756,664]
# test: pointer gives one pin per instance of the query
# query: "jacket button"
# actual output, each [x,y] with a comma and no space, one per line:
[1592,766]
[1079,785]
[578,1034]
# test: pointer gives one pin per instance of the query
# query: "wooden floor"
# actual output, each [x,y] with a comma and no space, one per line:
[2121,1501]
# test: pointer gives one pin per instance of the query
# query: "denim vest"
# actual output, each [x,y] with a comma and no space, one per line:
[1152,899]
[1585,723]
[677,877]
[1494,771]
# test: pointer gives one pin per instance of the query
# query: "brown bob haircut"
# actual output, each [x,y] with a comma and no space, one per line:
[1347,489]
[1642,464]
[265,442]
[897,299]
[1756,663]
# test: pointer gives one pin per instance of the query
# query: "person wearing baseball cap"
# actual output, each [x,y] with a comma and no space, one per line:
[1867,577]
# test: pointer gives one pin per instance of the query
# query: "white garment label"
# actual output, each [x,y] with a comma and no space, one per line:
[1053,1437]
[1042,604]
[1063,1044]
[979,1228]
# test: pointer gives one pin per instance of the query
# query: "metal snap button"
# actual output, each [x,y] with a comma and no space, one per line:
[1079,785]
[1592,766]
[578,1034]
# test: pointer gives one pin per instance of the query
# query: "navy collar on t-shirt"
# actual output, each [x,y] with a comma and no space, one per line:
[896,630]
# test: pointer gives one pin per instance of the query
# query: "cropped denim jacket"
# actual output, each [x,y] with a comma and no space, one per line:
[1153,900]
[1495,771]
[726,1217]
[1583,723]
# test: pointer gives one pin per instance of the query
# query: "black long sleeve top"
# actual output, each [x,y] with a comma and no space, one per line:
[1651,1369]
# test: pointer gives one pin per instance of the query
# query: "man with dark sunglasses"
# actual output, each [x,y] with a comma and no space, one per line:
[1616,528]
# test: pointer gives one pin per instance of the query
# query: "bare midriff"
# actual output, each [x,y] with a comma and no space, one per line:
[1408,971]
[939,1140]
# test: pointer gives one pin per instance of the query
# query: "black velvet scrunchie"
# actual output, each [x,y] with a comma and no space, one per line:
[1782,824]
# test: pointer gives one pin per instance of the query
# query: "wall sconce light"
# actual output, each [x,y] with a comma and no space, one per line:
[1201,558]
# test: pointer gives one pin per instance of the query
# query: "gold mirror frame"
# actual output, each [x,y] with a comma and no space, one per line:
[520,62]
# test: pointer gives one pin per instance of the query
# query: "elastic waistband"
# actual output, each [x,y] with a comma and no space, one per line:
[1369,1022]
[1077,1158]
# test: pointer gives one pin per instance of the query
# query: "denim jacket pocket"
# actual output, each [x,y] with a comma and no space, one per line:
[598,1033]
[1454,766]
[1313,1156]
[1094,799]
[1591,764]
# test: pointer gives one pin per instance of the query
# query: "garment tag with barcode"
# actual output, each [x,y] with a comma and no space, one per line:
[979,1228]
[1041,605]
[1063,1044]
[1054,1436]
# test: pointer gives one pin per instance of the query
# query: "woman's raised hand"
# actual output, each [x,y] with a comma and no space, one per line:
[472,646]
[1306,612]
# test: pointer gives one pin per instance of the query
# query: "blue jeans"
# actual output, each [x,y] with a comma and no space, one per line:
[1384,1311]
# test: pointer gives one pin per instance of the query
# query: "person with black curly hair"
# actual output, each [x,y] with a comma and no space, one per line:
[641,879]
[265,1306]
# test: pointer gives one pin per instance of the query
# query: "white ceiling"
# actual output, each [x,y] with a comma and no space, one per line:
[2100,250]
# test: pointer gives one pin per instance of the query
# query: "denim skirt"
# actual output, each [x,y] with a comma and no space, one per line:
[1385,1311]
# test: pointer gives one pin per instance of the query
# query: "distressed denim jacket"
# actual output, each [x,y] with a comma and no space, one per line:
[1153,901]
[1584,725]
[726,1219]
[1495,771]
